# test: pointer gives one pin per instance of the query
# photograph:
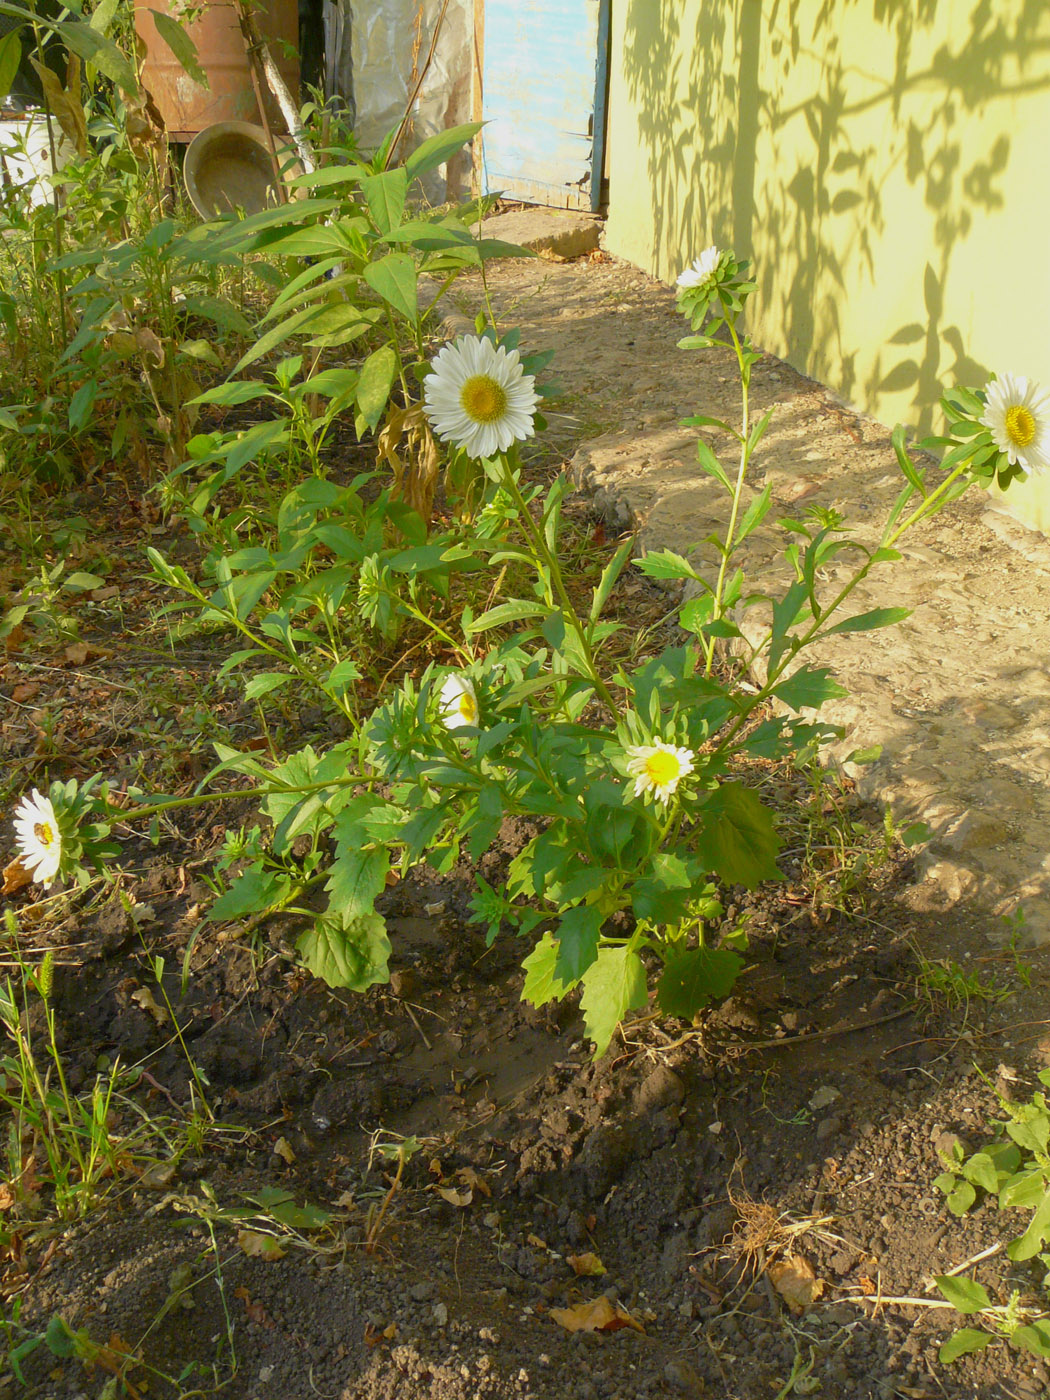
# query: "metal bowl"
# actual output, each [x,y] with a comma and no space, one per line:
[228,167]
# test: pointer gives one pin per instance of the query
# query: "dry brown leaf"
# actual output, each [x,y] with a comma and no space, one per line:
[535,1241]
[256,1312]
[65,104]
[283,1148]
[149,344]
[101,595]
[601,1315]
[796,1282]
[7,1198]
[474,1180]
[436,1169]
[25,691]
[259,1246]
[586,1265]
[158,1177]
[16,877]
[455,1198]
[77,653]
[144,997]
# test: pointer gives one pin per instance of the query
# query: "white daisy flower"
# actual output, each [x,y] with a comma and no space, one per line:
[39,840]
[478,397]
[1017,412]
[658,768]
[702,270]
[458,703]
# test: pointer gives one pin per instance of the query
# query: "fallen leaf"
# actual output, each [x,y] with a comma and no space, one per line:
[586,1265]
[436,1169]
[282,1148]
[535,1241]
[256,1312]
[796,1282]
[867,1286]
[101,595]
[77,653]
[601,1315]
[7,1198]
[158,1177]
[259,1246]
[16,877]
[455,1198]
[145,998]
[474,1180]
[25,691]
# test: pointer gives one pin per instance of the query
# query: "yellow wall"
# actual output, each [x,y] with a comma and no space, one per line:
[885,163]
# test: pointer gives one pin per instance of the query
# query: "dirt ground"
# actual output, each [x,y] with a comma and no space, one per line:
[792,1137]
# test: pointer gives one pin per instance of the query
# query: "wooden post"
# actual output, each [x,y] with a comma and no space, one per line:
[477,108]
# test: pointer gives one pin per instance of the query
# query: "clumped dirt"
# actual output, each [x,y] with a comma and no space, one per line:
[792,1135]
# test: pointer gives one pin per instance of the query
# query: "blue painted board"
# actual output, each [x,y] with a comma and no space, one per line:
[543,97]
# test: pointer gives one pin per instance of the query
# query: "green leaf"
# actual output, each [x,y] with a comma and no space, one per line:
[980,1169]
[736,839]
[1023,1191]
[82,583]
[437,149]
[961,1198]
[868,621]
[967,1339]
[97,49]
[373,387]
[234,392]
[1033,1239]
[610,574]
[394,279]
[578,932]
[1034,1338]
[10,57]
[964,1294]
[664,563]
[542,984]
[385,196]
[252,892]
[357,877]
[516,611]
[613,985]
[279,1202]
[694,977]
[266,681]
[755,514]
[181,45]
[809,687]
[907,466]
[353,953]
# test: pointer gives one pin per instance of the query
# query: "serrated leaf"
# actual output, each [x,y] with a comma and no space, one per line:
[613,985]
[694,977]
[809,688]
[541,982]
[353,953]
[357,877]
[736,839]
[578,932]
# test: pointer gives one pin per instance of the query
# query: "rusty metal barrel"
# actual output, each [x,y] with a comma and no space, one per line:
[188,107]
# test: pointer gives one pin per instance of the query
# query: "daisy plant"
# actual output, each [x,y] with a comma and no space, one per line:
[628,773]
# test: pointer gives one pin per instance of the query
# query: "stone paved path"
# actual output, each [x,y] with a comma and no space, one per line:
[958,696]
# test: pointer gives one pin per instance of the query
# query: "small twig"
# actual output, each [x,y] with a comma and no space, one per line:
[823,1035]
[415,1022]
[974,1259]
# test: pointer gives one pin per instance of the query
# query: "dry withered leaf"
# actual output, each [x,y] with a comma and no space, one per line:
[25,691]
[283,1148]
[16,877]
[7,1198]
[454,1197]
[259,1246]
[601,1315]
[256,1312]
[474,1180]
[586,1265]
[796,1282]
[144,997]
[77,653]
[158,1177]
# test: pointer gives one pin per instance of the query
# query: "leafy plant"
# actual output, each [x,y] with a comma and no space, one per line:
[1014,1170]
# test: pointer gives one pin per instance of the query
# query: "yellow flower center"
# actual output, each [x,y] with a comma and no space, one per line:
[483,399]
[663,767]
[1020,425]
[468,707]
[44,833]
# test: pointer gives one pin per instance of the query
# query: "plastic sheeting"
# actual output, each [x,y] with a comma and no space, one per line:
[376,50]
